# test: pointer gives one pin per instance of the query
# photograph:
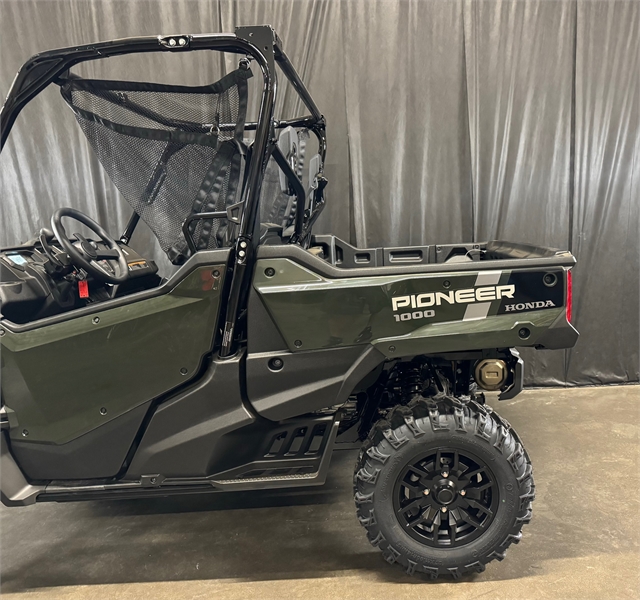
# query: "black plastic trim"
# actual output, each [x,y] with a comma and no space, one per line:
[15,490]
[518,378]
[151,485]
[304,258]
[560,335]
[180,439]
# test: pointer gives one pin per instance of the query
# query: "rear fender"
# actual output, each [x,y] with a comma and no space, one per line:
[410,314]
[306,381]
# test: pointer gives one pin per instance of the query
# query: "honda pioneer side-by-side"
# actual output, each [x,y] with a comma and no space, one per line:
[270,345]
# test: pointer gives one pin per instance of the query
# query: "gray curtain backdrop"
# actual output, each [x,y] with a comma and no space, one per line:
[448,121]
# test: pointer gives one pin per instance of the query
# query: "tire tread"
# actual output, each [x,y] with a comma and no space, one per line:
[405,422]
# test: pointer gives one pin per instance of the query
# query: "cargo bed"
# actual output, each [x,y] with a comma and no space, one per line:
[342,254]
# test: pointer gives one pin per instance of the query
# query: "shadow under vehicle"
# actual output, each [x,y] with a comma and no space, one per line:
[270,346]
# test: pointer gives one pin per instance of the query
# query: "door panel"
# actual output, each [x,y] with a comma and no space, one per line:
[62,380]
[98,454]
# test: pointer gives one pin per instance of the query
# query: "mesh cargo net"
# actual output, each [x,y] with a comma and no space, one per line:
[164,149]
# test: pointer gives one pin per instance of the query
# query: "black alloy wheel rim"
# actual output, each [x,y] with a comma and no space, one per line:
[446,499]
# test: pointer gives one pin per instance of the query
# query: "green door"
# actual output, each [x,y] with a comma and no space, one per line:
[62,380]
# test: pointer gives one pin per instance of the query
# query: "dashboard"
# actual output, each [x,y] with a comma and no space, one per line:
[38,282]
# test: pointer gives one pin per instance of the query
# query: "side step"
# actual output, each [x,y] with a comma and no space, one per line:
[295,453]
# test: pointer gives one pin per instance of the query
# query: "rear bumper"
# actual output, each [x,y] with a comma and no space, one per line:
[518,378]
[561,334]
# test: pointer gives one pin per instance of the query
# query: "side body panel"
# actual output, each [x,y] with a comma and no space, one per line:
[307,381]
[282,384]
[65,379]
[96,454]
[327,328]
[411,314]
[182,435]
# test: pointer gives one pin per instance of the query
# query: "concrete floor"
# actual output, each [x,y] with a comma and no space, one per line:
[583,542]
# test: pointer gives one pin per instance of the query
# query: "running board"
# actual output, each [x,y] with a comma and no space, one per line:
[296,453]
[299,460]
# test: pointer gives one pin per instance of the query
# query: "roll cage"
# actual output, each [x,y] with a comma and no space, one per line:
[260,43]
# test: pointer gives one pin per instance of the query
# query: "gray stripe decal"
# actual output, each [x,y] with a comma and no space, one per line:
[488,278]
[479,310]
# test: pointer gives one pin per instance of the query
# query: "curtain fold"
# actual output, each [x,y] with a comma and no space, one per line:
[606,193]
[407,122]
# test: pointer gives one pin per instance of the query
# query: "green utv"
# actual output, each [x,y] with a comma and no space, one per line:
[269,347]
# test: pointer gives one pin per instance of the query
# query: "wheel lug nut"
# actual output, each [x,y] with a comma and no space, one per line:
[444,509]
[426,492]
[463,493]
[445,474]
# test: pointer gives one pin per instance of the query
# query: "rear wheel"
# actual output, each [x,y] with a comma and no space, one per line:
[443,487]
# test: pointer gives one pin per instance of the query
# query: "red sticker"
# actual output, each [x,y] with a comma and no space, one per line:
[83,288]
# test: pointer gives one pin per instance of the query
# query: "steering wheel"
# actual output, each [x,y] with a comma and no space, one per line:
[86,256]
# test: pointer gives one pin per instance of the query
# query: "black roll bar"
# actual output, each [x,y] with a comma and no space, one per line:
[260,43]
[292,75]
[44,68]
